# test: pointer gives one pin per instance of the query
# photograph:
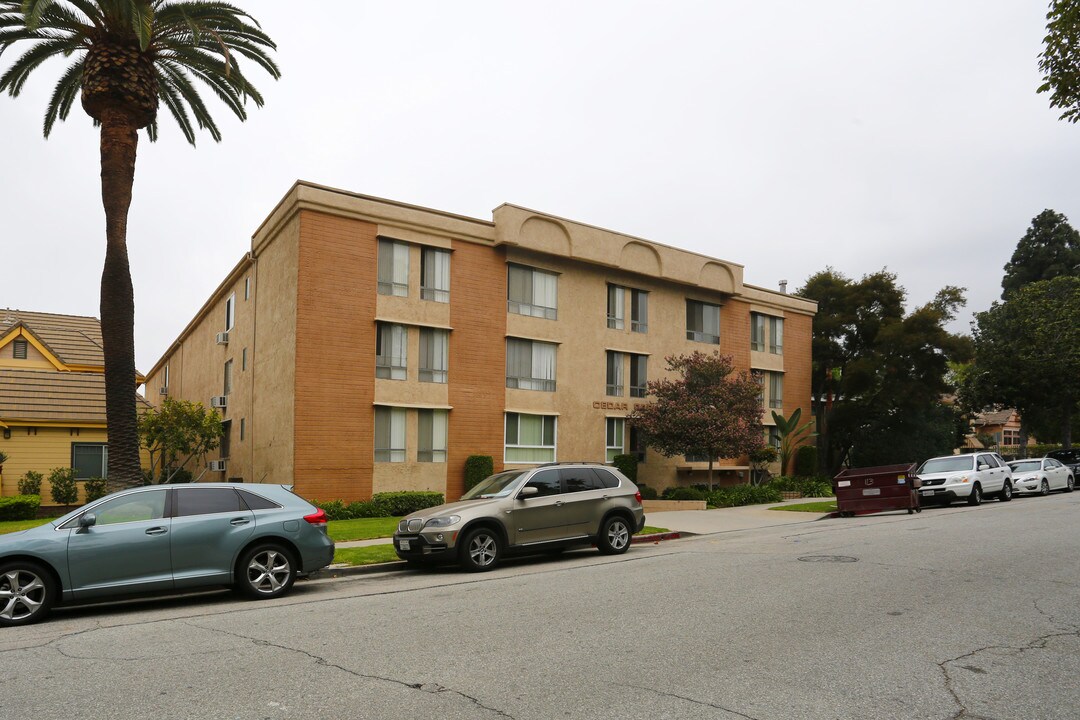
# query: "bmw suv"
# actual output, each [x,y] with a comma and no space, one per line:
[965,477]
[541,509]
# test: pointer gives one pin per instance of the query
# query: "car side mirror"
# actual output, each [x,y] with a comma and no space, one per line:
[87,520]
[983,466]
[527,492]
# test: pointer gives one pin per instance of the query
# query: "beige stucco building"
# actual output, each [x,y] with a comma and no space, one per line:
[366,345]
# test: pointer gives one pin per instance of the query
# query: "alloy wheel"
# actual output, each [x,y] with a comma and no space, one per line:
[268,571]
[618,535]
[483,550]
[22,595]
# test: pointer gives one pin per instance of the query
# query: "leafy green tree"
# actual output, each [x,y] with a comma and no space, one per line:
[791,435]
[702,412]
[1060,59]
[1028,353]
[177,432]
[878,368]
[759,460]
[1049,248]
[126,57]
[62,486]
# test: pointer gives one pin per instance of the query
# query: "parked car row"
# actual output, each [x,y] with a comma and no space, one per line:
[977,476]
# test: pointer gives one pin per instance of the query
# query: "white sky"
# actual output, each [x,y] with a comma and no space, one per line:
[784,136]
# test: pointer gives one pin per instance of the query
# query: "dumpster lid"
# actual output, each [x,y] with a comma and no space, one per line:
[901,469]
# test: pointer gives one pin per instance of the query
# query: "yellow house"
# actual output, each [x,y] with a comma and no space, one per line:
[52,397]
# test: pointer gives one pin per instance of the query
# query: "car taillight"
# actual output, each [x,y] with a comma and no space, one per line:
[637,496]
[317,518]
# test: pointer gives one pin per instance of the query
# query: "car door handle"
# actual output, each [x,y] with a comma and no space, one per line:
[558,503]
[156,530]
[239,521]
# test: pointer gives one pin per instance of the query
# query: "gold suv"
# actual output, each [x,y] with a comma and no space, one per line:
[543,509]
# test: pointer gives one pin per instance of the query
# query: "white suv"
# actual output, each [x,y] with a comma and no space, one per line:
[970,477]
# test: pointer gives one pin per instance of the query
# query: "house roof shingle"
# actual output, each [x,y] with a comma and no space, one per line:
[49,396]
[73,339]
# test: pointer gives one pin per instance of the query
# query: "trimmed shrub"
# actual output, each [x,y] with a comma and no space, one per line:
[381,505]
[64,490]
[627,465]
[648,493]
[96,488]
[334,509]
[477,467]
[30,483]
[738,495]
[684,494]
[816,486]
[806,463]
[19,507]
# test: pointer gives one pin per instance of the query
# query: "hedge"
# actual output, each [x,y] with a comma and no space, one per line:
[477,467]
[380,505]
[806,461]
[817,486]
[737,495]
[19,507]
[627,465]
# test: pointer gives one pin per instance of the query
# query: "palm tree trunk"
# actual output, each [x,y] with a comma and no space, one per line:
[119,140]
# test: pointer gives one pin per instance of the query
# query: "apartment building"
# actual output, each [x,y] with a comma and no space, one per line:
[366,345]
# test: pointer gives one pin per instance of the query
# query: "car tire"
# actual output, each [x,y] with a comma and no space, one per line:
[614,537]
[27,593]
[265,571]
[1069,484]
[1006,492]
[975,498]
[1044,487]
[481,550]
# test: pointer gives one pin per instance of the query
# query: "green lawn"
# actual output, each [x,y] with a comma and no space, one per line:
[361,528]
[369,555]
[810,507]
[9,526]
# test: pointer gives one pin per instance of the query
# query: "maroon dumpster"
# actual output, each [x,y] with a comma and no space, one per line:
[873,489]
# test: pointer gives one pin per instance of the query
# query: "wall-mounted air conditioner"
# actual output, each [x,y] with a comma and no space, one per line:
[223,338]
[164,390]
[216,466]
[219,401]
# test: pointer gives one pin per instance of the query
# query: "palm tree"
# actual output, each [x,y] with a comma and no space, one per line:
[129,57]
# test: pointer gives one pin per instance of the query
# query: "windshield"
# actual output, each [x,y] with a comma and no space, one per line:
[1026,466]
[947,464]
[497,485]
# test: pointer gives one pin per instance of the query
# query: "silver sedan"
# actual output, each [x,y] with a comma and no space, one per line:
[1040,475]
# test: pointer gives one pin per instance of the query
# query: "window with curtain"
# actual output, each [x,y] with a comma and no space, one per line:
[389,434]
[435,275]
[393,268]
[431,435]
[615,432]
[614,373]
[776,335]
[90,460]
[759,377]
[529,438]
[616,307]
[639,375]
[391,351]
[532,292]
[702,322]
[434,354]
[530,365]
[639,311]
[776,390]
[757,332]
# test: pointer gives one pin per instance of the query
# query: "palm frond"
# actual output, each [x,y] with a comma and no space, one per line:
[181,84]
[12,80]
[64,94]
[175,103]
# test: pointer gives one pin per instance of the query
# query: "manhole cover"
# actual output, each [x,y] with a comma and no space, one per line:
[828,558]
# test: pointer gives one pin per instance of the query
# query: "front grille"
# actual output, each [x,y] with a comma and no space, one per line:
[414,525]
[935,481]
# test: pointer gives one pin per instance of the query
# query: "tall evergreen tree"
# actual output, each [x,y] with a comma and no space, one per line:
[1050,248]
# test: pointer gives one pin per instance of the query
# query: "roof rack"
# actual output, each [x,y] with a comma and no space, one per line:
[572,462]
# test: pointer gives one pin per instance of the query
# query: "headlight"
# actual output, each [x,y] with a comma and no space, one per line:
[961,479]
[442,521]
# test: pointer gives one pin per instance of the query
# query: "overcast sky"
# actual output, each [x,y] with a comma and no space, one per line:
[785,136]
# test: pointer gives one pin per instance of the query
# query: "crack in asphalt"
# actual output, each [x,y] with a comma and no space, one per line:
[689,700]
[431,688]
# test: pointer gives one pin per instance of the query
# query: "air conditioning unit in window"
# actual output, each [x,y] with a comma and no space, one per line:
[223,338]
[219,401]
[216,466]
[163,390]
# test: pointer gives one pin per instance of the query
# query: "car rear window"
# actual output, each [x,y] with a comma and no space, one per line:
[579,479]
[607,478]
[206,501]
[255,502]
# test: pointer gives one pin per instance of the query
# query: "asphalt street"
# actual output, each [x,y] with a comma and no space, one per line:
[952,613]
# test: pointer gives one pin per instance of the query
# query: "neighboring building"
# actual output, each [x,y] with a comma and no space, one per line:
[52,396]
[1001,425]
[365,345]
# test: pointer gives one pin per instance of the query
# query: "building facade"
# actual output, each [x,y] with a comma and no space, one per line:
[365,345]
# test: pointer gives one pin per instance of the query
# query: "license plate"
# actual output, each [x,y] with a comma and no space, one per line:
[927,492]
[403,544]
[872,491]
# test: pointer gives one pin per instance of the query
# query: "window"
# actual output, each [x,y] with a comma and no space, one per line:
[614,373]
[776,335]
[546,482]
[702,322]
[243,360]
[147,505]
[431,436]
[579,479]
[242,423]
[637,444]
[776,390]
[616,307]
[90,460]
[530,365]
[19,349]
[759,377]
[606,477]
[391,350]
[226,385]
[757,332]
[247,288]
[434,355]
[166,381]
[532,292]
[389,434]
[615,433]
[774,437]
[256,502]
[207,501]
[435,275]
[393,268]
[529,438]
[230,312]
[639,311]
[226,440]
[639,382]
[1010,437]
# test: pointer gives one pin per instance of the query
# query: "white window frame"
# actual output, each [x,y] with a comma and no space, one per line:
[508,448]
[614,437]
[230,312]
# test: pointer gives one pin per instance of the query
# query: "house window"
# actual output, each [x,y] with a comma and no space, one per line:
[226,439]
[243,360]
[393,268]
[226,386]
[391,351]
[435,275]
[1010,437]
[776,335]
[90,460]
[639,311]
[532,292]
[697,457]
[759,377]
[242,429]
[434,354]
[776,390]
[757,332]
[529,438]
[166,383]
[616,307]
[639,383]
[19,349]
[247,288]
[774,437]
[431,435]
[230,312]
[614,373]
[530,365]
[615,431]
[702,322]
[389,434]
[637,444]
